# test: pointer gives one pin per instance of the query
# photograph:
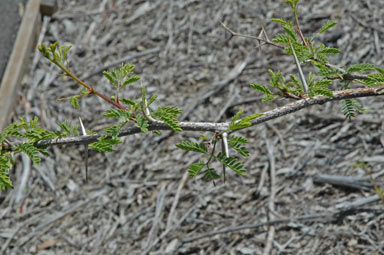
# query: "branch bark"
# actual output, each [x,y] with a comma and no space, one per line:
[213,127]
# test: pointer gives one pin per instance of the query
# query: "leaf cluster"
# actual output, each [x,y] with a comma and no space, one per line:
[30,133]
[168,114]
[5,164]
[320,82]
[311,53]
[56,54]
[208,149]
[240,123]
[121,77]
[351,107]
[136,111]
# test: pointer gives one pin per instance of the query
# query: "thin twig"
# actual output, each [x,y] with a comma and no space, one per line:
[266,41]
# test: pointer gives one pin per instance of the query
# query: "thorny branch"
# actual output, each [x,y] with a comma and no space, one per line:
[213,127]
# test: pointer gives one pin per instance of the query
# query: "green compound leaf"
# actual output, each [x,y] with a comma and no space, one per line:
[293,3]
[11,130]
[105,145]
[142,123]
[281,38]
[37,134]
[29,130]
[328,72]
[236,117]
[210,174]
[347,108]
[282,22]
[31,151]
[192,146]
[110,77]
[113,131]
[118,113]
[249,118]
[195,169]
[329,51]
[127,101]
[360,68]
[261,88]
[297,84]
[268,98]
[236,142]
[67,129]
[130,80]
[322,91]
[74,101]
[43,50]
[65,54]
[169,109]
[143,96]
[5,165]
[168,115]
[322,58]
[231,162]
[237,123]
[380,70]
[329,24]
[121,77]
[375,79]
[152,99]
[351,107]
[53,46]
[322,83]
[275,78]
[126,69]
[291,33]
[113,113]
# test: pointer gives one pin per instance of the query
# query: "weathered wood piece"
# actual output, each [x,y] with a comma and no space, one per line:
[25,39]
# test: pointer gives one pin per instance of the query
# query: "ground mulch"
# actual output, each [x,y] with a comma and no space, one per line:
[304,192]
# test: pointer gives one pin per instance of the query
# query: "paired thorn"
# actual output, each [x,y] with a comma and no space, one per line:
[224,149]
[260,39]
[86,149]
[263,35]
